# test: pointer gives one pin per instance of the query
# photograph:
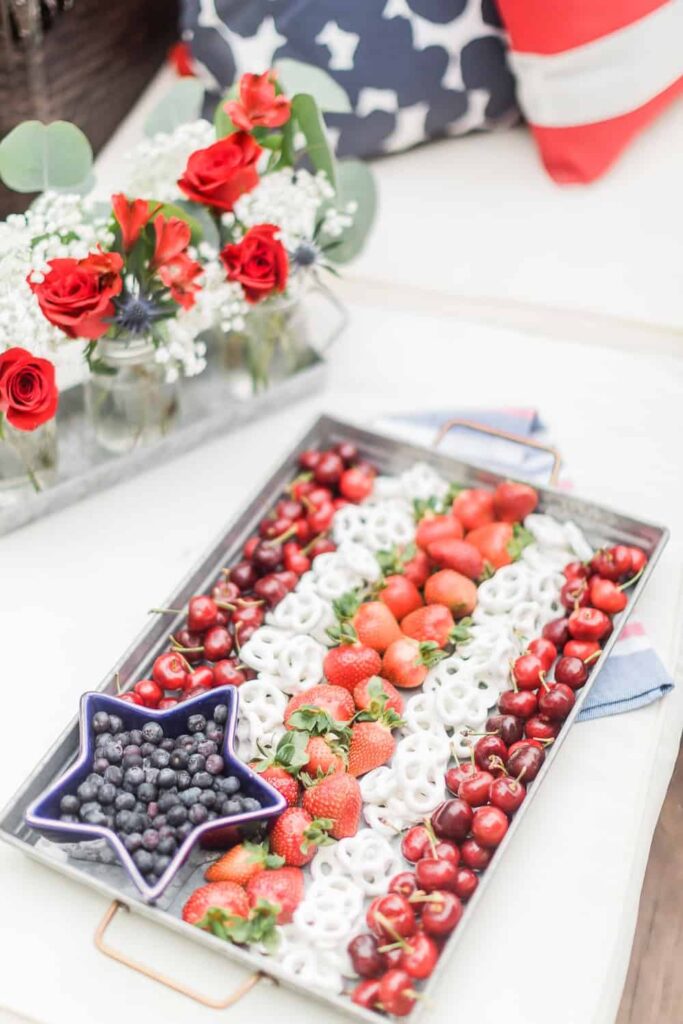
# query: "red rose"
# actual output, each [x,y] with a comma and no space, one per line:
[172,237]
[259,106]
[259,262]
[28,394]
[218,175]
[76,295]
[132,216]
[180,276]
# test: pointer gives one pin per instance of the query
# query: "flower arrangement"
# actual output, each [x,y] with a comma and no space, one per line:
[28,400]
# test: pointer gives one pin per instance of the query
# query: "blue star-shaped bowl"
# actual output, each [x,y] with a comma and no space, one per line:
[43,814]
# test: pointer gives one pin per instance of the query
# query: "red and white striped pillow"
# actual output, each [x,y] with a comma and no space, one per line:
[591,74]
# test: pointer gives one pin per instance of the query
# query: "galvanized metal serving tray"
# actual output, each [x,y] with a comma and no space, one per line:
[601,526]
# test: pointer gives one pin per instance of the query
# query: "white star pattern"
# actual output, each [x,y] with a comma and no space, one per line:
[370,99]
[410,127]
[251,53]
[342,46]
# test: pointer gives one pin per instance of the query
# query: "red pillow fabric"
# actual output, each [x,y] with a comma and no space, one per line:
[591,74]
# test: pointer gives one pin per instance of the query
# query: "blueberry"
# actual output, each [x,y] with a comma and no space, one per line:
[161,863]
[177,815]
[189,744]
[160,759]
[202,779]
[131,761]
[123,738]
[196,763]
[137,822]
[215,764]
[167,745]
[132,748]
[95,818]
[178,759]
[153,732]
[115,724]
[122,818]
[103,739]
[107,793]
[124,802]
[214,733]
[95,780]
[113,753]
[167,778]
[166,832]
[132,842]
[190,796]
[167,846]
[153,810]
[133,777]
[150,839]
[160,821]
[100,765]
[220,714]
[144,861]
[69,804]
[183,780]
[207,748]
[135,736]
[168,800]
[198,814]
[88,807]
[184,830]
[230,784]
[146,792]
[181,740]
[250,803]
[208,798]
[232,807]
[100,722]
[199,737]
[196,723]
[70,819]
[114,774]
[147,749]
[86,791]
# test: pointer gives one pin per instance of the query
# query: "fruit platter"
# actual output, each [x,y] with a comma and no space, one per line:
[315,754]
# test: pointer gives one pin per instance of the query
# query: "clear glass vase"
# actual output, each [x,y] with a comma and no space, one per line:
[274,345]
[128,400]
[28,461]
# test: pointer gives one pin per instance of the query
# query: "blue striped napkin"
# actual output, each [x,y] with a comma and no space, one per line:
[633,675]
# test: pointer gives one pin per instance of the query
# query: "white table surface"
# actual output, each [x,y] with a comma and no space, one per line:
[552,936]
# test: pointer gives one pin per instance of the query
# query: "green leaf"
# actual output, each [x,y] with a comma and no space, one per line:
[182,103]
[180,211]
[297,77]
[355,183]
[201,221]
[222,122]
[309,119]
[35,157]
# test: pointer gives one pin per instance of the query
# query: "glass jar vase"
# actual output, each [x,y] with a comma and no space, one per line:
[274,344]
[28,461]
[129,402]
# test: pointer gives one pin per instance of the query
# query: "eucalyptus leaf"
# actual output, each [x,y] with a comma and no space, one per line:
[297,77]
[309,119]
[199,218]
[181,104]
[35,157]
[221,122]
[355,182]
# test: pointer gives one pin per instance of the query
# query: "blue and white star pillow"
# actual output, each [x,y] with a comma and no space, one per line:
[413,69]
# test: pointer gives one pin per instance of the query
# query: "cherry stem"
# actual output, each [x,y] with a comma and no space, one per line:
[629,583]
[226,606]
[320,536]
[165,611]
[424,897]
[388,927]
[187,650]
[592,657]
[284,536]
[117,681]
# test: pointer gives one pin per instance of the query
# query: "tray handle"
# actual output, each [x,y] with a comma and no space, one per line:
[527,442]
[149,972]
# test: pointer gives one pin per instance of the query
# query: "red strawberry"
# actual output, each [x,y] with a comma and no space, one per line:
[434,527]
[459,555]
[338,798]
[334,700]
[407,661]
[375,625]
[417,568]
[295,836]
[226,896]
[499,543]
[474,507]
[452,589]
[241,863]
[282,767]
[400,595]
[366,695]
[347,664]
[432,624]
[371,745]
[283,782]
[324,758]
[282,888]
[512,502]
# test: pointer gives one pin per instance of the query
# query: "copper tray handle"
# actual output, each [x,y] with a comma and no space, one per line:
[149,972]
[527,442]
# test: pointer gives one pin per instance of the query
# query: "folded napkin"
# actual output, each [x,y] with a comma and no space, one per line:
[633,675]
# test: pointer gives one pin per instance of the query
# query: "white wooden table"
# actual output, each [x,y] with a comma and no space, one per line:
[552,938]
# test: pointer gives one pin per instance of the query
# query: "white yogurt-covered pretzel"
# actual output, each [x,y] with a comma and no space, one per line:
[546,530]
[307,965]
[577,541]
[387,526]
[300,664]
[304,613]
[329,912]
[261,712]
[502,592]
[261,650]
[349,523]
[358,559]
[423,481]
[369,860]
[539,559]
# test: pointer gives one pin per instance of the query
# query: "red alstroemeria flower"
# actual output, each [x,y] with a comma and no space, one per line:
[259,106]
[132,216]
[180,59]
[172,238]
[180,276]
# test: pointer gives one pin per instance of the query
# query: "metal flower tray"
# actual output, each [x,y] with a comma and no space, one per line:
[601,525]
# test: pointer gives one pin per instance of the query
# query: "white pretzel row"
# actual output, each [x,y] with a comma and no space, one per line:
[304,613]
[329,912]
[366,858]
